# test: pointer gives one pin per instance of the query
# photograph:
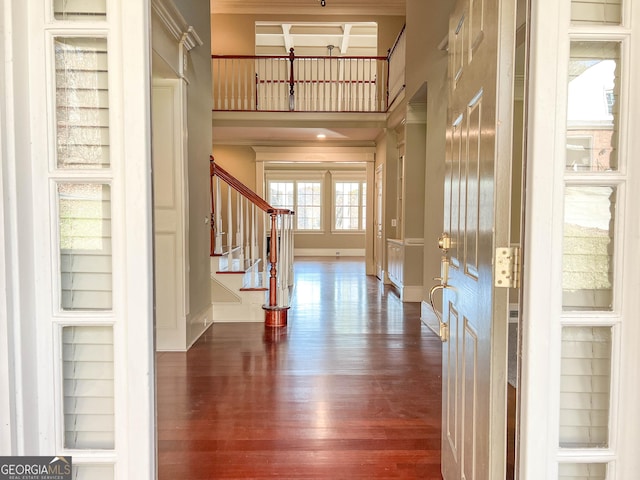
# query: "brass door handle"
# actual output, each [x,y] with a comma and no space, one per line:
[443,326]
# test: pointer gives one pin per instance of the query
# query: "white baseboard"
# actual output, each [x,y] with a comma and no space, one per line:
[198,324]
[412,293]
[328,252]
[429,318]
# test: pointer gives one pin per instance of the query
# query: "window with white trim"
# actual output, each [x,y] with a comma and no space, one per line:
[349,201]
[302,194]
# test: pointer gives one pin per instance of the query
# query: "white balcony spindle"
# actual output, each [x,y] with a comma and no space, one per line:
[229,221]
[369,85]
[254,233]
[246,230]
[218,245]
[217,85]
[239,228]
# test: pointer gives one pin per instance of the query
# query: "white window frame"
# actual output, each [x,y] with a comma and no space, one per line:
[546,178]
[36,416]
[348,177]
[295,178]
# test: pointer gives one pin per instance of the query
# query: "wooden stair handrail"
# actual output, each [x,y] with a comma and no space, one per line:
[257,200]
[275,315]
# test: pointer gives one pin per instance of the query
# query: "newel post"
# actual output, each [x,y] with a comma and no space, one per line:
[275,315]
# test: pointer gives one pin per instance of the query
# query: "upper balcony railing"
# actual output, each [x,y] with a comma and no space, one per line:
[300,83]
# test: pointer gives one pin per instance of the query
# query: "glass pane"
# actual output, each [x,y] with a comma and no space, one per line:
[88,385]
[363,204]
[585,383]
[347,205]
[281,194]
[84,223]
[80,10]
[596,11]
[582,471]
[308,205]
[587,260]
[593,100]
[82,103]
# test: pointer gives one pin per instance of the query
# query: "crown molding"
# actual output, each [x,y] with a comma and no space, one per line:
[176,24]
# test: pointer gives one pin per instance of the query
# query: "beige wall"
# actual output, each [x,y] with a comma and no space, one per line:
[239,160]
[199,105]
[414,175]
[235,34]
[426,28]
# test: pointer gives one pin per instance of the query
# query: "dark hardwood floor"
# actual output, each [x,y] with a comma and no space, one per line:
[351,389]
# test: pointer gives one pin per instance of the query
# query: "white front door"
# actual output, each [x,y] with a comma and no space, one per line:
[476,218]
[579,384]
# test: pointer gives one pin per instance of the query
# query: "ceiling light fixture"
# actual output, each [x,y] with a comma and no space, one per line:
[321,136]
[323,3]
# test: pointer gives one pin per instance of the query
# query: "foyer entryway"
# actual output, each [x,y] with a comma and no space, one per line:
[352,390]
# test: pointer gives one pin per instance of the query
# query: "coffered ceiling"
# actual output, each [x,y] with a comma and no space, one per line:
[317,38]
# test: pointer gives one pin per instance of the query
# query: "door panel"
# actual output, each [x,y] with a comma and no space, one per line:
[169,186]
[477,219]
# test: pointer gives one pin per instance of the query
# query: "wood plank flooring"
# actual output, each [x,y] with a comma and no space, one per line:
[351,390]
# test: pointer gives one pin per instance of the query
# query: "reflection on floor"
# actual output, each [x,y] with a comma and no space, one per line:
[351,390]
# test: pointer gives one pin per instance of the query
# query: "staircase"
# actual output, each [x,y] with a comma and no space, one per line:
[251,272]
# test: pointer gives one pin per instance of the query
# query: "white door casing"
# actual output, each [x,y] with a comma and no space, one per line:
[561,31]
[67,323]
[170,200]
[477,196]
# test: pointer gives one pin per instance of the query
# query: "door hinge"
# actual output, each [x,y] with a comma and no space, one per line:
[507,267]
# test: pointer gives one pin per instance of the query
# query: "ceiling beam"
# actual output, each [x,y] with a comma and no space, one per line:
[288,40]
[346,32]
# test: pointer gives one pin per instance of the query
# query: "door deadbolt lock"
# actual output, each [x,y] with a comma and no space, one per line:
[444,242]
